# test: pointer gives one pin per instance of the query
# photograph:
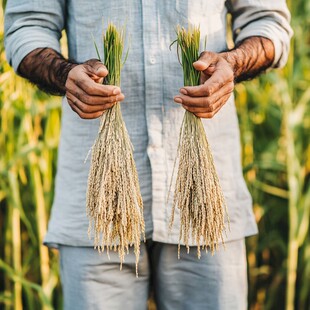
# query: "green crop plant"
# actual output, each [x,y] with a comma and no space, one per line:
[275,126]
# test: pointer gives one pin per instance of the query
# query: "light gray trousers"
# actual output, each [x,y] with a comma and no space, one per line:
[91,281]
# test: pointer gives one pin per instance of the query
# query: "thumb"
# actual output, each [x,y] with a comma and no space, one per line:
[97,68]
[201,65]
[206,62]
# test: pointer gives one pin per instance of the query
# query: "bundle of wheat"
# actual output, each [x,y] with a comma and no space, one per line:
[114,202]
[198,193]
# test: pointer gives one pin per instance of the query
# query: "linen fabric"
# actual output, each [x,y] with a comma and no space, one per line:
[92,281]
[150,78]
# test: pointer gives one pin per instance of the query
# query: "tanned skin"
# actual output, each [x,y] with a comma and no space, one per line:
[89,97]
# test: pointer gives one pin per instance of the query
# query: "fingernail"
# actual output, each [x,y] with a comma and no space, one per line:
[183,91]
[178,99]
[101,69]
[116,91]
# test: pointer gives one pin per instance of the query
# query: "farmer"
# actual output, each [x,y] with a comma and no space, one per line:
[151,80]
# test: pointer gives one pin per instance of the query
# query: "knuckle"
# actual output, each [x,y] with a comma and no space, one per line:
[209,90]
[206,102]
[205,89]
[77,94]
[88,89]
[80,96]
[111,99]
[84,98]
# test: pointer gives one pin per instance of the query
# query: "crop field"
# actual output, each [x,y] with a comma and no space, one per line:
[274,115]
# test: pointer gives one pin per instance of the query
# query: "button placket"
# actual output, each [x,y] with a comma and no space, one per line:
[153,109]
[152,60]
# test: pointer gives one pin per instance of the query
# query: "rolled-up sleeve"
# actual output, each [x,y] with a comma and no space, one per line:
[31,24]
[266,18]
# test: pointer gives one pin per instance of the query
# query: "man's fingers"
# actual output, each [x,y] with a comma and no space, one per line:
[215,73]
[89,108]
[86,94]
[217,83]
[209,114]
[220,77]
[92,88]
[86,76]
[204,101]
[89,86]
[95,100]
[210,109]
[83,115]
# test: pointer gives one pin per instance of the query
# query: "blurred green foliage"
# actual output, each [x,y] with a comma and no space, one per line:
[274,117]
[274,114]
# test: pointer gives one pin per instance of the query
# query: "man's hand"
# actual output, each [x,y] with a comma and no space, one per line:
[86,94]
[220,71]
[81,83]
[217,84]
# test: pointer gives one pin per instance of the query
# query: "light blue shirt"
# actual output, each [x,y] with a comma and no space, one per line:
[150,79]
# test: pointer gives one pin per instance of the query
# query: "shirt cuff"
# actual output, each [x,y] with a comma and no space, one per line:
[271,31]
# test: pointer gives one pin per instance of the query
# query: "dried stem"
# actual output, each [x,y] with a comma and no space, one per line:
[198,193]
[114,202]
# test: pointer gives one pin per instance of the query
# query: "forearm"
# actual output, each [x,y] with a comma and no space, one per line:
[253,56]
[47,69]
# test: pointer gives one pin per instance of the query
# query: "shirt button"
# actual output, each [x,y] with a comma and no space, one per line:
[152,60]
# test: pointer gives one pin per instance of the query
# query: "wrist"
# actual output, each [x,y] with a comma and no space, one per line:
[47,69]
[250,57]
[62,71]
[231,59]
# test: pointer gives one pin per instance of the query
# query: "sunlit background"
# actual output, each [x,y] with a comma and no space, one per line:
[274,115]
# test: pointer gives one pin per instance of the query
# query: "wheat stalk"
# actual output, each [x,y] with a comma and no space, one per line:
[198,193]
[114,202]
